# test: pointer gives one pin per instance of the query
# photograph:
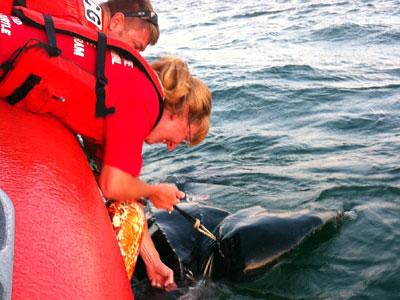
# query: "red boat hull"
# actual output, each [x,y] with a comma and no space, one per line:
[65,247]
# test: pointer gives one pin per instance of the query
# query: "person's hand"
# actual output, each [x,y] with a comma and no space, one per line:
[166,196]
[160,276]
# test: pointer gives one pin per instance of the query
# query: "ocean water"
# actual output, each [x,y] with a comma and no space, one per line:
[306,114]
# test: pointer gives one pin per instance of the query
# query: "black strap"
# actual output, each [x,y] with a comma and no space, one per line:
[6,67]
[101,80]
[19,3]
[185,214]
[196,224]
[160,111]
[23,90]
[51,36]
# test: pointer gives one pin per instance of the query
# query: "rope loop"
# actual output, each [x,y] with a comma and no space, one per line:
[197,224]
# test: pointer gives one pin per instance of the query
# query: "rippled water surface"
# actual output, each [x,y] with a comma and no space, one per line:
[306,114]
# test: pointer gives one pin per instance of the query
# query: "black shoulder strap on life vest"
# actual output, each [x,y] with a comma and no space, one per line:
[160,111]
[51,36]
[19,2]
[101,80]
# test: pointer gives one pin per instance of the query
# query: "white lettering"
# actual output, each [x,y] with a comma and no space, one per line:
[16,20]
[115,58]
[93,13]
[79,48]
[5,25]
[128,63]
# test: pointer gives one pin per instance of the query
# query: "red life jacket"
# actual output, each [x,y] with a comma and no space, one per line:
[6,6]
[85,12]
[58,67]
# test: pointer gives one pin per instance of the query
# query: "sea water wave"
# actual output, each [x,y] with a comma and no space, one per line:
[355,33]
[305,115]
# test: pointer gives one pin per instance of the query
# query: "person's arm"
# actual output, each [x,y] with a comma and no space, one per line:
[122,186]
[159,274]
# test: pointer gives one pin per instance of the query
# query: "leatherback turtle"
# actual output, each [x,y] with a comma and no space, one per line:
[248,241]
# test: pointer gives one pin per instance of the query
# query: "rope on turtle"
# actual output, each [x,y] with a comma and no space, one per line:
[196,224]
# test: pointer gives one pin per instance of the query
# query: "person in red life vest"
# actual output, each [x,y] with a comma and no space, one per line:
[136,118]
[185,96]
[131,21]
[135,23]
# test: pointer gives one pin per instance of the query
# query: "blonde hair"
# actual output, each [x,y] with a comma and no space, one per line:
[181,89]
[126,6]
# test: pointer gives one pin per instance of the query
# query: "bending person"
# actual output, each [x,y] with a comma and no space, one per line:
[132,21]
[138,115]
[135,23]
[184,95]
